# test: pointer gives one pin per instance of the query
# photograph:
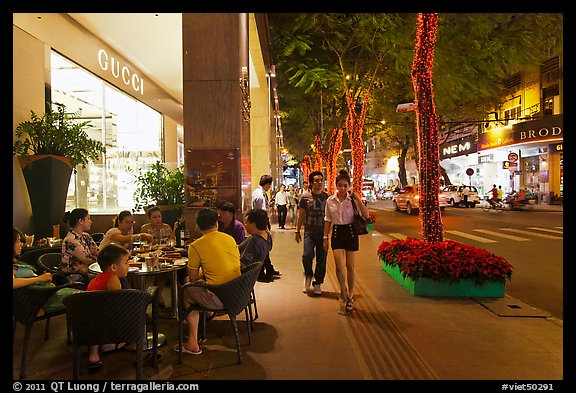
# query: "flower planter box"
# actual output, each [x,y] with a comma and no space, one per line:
[370,227]
[429,287]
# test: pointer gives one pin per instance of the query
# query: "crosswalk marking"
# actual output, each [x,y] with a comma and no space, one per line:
[398,236]
[532,233]
[546,230]
[511,237]
[473,237]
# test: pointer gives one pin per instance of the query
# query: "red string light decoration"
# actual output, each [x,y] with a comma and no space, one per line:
[330,156]
[427,125]
[354,129]
[306,166]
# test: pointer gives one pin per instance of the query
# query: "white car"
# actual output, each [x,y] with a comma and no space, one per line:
[408,199]
[456,197]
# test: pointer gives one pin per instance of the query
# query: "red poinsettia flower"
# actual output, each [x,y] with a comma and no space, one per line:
[371,219]
[447,260]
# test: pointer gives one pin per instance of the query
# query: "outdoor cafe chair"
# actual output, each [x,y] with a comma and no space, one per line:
[113,316]
[235,296]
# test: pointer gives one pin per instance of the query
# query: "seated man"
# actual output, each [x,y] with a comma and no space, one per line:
[258,245]
[218,256]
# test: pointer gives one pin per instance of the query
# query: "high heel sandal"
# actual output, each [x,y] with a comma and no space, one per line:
[342,307]
[350,304]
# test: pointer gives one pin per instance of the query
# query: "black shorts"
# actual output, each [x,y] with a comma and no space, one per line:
[343,237]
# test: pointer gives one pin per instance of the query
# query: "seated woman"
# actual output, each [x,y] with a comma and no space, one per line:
[79,250]
[24,275]
[122,233]
[156,227]
[158,230]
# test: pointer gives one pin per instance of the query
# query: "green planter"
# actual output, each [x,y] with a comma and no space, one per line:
[370,227]
[429,287]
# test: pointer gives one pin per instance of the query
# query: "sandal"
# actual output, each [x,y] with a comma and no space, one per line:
[186,350]
[117,347]
[95,365]
[342,308]
[350,304]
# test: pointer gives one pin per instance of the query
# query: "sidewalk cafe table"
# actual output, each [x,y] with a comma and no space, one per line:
[142,273]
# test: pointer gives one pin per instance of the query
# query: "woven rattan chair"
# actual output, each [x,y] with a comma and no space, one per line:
[31,257]
[50,262]
[252,306]
[235,296]
[104,317]
[26,302]
[97,237]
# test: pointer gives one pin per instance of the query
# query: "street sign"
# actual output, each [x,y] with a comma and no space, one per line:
[469,171]
[512,157]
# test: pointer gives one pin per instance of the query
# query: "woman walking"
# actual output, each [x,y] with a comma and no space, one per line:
[339,216]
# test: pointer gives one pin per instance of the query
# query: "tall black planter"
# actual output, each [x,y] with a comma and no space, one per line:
[47,178]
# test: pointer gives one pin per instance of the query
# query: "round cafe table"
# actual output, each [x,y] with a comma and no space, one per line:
[142,273]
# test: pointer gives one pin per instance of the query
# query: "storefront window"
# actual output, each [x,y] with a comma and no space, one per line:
[130,130]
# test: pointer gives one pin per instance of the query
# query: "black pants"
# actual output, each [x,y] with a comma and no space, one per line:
[282,212]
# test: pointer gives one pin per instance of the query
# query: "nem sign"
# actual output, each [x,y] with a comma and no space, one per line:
[458,147]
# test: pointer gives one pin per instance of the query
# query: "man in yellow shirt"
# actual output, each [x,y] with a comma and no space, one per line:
[217,255]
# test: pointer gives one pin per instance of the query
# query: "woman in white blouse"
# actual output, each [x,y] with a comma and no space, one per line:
[339,216]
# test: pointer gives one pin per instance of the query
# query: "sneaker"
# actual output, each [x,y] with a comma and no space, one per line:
[307,284]
[273,273]
[317,290]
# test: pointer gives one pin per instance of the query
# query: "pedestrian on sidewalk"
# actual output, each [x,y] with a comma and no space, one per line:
[465,193]
[338,219]
[292,205]
[260,201]
[281,200]
[311,211]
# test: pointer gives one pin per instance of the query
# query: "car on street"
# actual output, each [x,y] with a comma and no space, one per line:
[454,193]
[408,200]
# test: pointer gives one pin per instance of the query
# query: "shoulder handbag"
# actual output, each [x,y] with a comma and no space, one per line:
[359,224]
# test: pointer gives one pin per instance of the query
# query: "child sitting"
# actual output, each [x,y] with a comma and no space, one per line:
[113,261]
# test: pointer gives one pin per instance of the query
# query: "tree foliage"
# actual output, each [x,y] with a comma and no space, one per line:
[475,53]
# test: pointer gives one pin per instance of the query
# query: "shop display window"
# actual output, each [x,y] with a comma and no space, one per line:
[131,131]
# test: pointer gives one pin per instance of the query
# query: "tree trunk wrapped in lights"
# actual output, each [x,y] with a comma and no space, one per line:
[427,125]
[354,129]
[306,167]
[330,156]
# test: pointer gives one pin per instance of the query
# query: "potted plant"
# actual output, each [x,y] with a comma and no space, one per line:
[447,268]
[162,187]
[370,221]
[49,147]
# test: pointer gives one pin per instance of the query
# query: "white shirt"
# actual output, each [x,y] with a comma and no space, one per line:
[339,213]
[260,199]
[108,238]
[281,198]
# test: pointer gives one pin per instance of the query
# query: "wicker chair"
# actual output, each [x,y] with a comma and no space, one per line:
[252,306]
[104,317]
[235,295]
[26,302]
[31,257]
[50,262]
[97,237]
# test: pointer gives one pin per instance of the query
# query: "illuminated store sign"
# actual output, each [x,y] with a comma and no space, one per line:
[458,147]
[122,72]
[548,128]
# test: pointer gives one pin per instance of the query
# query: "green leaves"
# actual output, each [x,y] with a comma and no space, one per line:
[159,186]
[57,133]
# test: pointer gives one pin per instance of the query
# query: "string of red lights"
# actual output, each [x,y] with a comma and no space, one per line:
[427,127]
[354,129]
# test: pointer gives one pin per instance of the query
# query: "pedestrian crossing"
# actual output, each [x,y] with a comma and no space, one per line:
[493,235]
